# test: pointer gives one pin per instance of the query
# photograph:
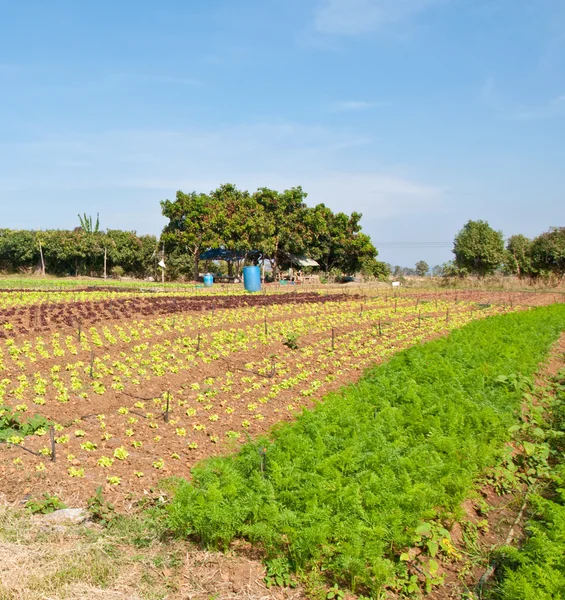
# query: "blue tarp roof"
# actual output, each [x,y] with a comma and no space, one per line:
[229,255]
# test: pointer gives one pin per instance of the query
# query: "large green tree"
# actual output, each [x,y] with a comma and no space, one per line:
[240,221]
[18,249]
[276,224]
[191,225]
[547,253]
[478,248]
[284,216]
[518,260]
[422,268]
[336,241]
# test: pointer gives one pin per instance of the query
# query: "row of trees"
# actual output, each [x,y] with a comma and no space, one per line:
[82,251]
[273,223]
[480,250]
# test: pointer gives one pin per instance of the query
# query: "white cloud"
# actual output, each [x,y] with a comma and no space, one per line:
[157,79]
[353,105]
[352,17]
[119,172]
[554,108]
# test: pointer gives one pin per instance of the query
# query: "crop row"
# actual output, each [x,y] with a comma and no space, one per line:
[109,426]
[353,486]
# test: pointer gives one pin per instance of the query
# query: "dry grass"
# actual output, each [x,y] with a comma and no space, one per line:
[93,563]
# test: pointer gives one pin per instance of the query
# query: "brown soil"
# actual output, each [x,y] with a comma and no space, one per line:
[238,403]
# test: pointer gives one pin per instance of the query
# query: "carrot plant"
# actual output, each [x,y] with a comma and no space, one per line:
[344,489]
[536,571]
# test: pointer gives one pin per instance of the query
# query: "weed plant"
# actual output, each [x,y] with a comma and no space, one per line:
[343,489]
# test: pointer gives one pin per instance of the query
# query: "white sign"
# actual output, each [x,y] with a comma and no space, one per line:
[396,284]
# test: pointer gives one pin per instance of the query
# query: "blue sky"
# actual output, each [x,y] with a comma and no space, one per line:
[421,114]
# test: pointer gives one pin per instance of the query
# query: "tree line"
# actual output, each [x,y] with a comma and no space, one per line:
[82,251]
[272,223]
[480,250]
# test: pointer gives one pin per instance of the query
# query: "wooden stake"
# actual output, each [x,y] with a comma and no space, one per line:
[42,259]
[166,417]
[52,438]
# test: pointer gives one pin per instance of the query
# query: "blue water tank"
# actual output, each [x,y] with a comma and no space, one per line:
[252,279]
[208,280]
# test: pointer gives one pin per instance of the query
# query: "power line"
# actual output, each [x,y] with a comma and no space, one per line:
[416,244]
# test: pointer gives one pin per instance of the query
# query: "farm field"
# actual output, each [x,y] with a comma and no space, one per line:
[370,490]
[136,387]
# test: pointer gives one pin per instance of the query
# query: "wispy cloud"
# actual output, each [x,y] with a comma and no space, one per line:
[494,99]
[351,17]
[129,171]
[353,105]
[554,108]
[157,79]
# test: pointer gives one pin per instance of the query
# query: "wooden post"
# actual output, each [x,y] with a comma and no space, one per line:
[52,438]
[166,417]
[42,259]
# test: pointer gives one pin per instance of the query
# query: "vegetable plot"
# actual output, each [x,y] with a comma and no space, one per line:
[135,398]
[352,484]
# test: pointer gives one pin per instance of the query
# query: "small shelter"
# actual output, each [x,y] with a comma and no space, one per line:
[231,257]
[296,263]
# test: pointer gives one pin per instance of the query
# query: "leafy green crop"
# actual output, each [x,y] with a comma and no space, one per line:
[12,424]
[344,488]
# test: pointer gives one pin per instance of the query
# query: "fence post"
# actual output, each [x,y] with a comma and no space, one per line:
[166,417]
[52,438]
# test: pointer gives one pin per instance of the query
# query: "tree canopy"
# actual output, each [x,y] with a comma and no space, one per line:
[478,248]
[422,268]
[518,259]
[274,223]
[547,253]
[77,252]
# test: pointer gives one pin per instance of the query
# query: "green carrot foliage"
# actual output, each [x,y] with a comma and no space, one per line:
[344,487]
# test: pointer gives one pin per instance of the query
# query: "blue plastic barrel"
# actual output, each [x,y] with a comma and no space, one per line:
[208,280]
[252,279]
